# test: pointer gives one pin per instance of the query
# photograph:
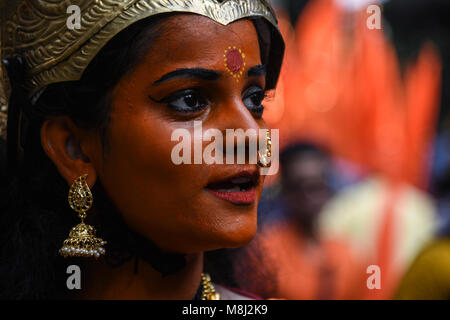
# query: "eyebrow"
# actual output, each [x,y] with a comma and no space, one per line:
[259,70]
[205,74]
[200,73]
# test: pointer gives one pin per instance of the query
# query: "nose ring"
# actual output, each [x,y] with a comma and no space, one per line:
[264,160]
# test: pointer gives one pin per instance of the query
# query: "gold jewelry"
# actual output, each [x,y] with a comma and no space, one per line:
[82,241]
[53,51]
[208,292]
[264,160]
[39,30]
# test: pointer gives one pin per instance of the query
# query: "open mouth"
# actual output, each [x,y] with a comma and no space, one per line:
[238,189]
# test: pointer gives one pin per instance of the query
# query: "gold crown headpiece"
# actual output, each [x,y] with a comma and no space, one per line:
[38,32]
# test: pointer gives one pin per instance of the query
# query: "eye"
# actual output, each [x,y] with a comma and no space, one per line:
[186,101]
[253,99]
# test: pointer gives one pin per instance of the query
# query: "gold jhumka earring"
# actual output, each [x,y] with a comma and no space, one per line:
[264,160]
[82,241]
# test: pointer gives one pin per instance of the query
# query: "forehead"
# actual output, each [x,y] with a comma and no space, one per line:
[187,39]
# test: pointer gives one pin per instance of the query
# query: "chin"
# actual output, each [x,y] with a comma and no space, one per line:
[236,234]
[238,242]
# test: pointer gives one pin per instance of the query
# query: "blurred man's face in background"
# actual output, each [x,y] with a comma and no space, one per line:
[305,184]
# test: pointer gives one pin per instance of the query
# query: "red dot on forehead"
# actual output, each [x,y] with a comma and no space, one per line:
[234,60]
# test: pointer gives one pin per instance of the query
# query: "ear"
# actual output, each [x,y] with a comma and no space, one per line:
[68,148]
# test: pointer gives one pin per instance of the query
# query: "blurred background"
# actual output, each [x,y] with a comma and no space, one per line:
[361,208]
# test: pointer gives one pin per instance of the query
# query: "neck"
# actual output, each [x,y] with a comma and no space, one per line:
[106,282]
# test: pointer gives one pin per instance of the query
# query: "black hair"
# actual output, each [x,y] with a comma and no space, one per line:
[292,151]
[34,215]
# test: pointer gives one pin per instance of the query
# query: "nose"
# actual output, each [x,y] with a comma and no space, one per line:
[241,132]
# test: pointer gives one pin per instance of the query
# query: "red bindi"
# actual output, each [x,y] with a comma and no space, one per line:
[234,61]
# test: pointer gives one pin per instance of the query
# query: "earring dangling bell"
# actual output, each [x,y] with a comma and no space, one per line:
[264,160]
[82,240]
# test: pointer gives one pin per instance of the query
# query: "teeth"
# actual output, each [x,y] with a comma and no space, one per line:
[234,189]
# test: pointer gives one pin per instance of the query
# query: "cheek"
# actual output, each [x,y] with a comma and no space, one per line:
[138,173]
[160,200]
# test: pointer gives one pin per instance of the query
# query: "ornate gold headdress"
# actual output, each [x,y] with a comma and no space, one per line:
[38,31]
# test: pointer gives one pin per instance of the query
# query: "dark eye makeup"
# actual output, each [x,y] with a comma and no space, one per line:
[253,98]
[193,101]
[185,101]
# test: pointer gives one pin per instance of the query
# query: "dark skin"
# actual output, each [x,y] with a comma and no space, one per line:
[305,190]
[164,202]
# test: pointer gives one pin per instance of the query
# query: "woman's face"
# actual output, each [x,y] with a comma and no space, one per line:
[186,208]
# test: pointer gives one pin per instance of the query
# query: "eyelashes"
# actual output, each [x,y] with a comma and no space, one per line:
[192,101]
[253,99]
[185,101]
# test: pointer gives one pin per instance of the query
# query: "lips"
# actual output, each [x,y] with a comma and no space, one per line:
[238,188]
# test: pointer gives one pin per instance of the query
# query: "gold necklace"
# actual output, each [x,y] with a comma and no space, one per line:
[208,292]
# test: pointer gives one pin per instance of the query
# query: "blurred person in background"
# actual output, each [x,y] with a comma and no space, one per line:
[429,274]
[357,216]
[305,186]
[293,262]
[364,213]
[371,96]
